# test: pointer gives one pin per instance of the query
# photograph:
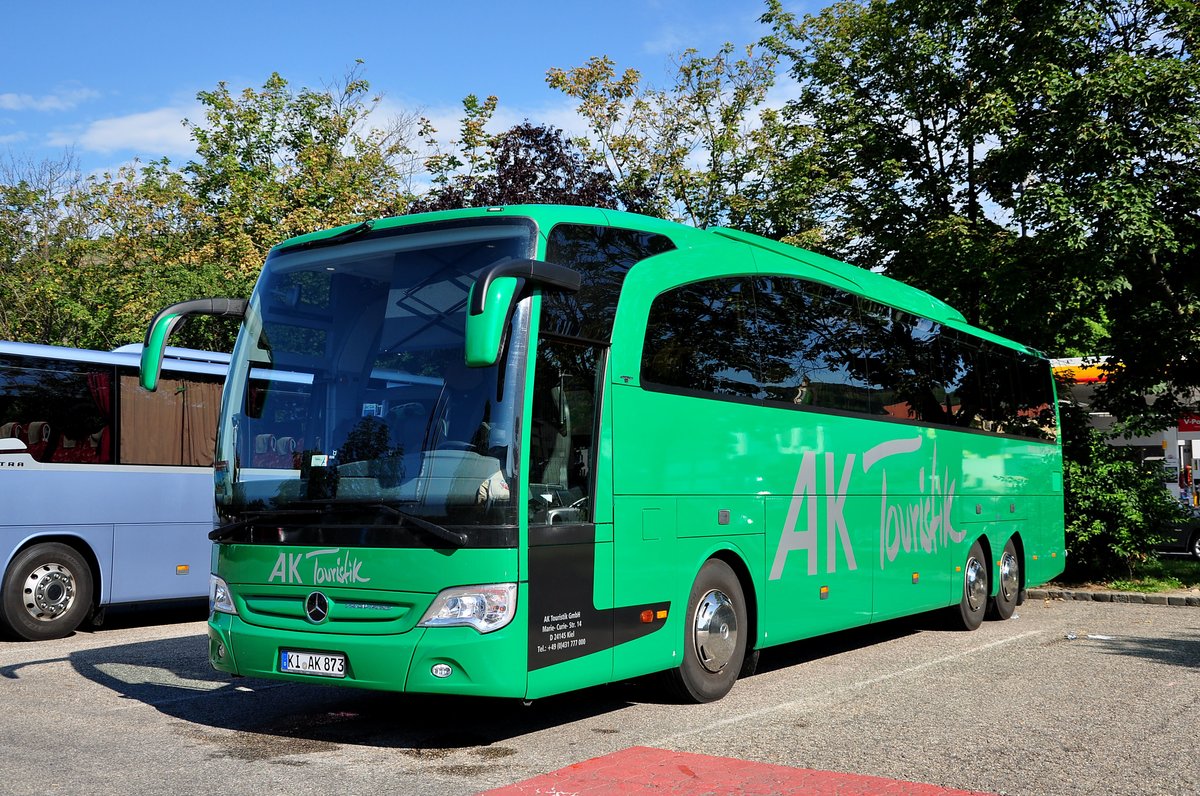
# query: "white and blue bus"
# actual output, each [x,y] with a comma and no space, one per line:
[105,488]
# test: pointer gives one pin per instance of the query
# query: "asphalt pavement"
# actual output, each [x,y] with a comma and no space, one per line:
[1067,698]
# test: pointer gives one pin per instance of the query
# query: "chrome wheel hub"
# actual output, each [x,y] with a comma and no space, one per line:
[975,584]
[49,592]
[715,631]
[1010,577]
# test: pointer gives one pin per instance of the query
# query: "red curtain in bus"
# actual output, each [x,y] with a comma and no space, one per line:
[100,386]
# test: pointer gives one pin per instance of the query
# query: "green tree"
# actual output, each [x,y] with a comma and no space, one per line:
[40,293]
[1106,163]
[144,251]
[708,150]
[524,164]
[1033,163]
[1116,506]
[906,97]
[276,163]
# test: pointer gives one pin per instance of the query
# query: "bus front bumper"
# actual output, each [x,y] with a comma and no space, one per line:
[444,660]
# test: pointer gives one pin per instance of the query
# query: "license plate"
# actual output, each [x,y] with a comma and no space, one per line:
[325,664]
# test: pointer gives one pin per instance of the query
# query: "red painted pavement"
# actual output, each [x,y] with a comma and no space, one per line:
[642,770]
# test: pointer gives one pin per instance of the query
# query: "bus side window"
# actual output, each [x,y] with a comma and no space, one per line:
[61,410]
[173,426]
[702,337]
[561,434]
[811,339]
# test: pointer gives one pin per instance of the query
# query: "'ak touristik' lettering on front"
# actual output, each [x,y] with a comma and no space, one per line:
[343,569]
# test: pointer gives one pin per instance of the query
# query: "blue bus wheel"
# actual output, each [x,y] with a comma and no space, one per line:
[46,593]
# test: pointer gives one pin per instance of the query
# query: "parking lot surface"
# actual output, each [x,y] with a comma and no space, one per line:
[1066,698]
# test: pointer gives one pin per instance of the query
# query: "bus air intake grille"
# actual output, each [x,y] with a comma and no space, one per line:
[390,613]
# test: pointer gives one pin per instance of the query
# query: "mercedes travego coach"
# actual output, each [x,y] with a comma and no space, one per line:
[531,449]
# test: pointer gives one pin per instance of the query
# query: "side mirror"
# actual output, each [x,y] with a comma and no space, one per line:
[170,319]
[492,297]
[485,330]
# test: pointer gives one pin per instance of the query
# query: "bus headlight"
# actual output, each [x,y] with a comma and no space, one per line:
[485,608]
[219,598]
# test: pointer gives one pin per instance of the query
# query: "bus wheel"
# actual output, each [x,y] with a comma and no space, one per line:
[714,635]
[973,604]
[47,592]
[1008,590]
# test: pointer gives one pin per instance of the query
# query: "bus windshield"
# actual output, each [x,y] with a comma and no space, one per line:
[348,391]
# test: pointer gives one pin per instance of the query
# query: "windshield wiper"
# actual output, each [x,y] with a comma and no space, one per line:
[225,531]
[341,237]
[455,538]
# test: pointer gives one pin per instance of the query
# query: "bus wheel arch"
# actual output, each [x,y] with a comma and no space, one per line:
[750,595]
[49,588]
[1010,580]
[715,634]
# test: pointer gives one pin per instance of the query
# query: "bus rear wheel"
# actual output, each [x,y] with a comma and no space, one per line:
[1008,589]
[714,636]
[974,602]
[46,593]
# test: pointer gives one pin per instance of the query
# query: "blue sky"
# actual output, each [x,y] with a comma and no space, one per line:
[111,81]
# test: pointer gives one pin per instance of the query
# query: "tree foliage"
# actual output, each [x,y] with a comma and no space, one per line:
[708,150]
[87,262]
[276,163]
[1033,163]
[1117,510]
[524,164]
[42,295]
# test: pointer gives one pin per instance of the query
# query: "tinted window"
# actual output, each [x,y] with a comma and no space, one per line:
[804,345]
[602,256]
[62,411]
[910,368]
[1021,397]
[702,337]
[811,340]
[962,362]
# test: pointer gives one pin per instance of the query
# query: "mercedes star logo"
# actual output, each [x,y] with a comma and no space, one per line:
[316,606]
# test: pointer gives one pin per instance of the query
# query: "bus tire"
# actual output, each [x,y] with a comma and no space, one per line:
[974,602]
[714,635]
[46,592]
[1008,587]
[749,664]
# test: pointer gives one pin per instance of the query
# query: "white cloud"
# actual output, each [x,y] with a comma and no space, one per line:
[151,133]
[63,101]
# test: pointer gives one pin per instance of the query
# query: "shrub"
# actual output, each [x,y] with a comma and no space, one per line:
[1116,507]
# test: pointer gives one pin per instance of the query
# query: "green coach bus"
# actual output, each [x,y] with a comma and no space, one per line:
[514,451]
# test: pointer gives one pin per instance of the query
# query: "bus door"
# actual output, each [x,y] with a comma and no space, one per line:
[570,564]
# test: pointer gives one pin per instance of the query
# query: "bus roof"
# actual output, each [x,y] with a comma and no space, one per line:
[188,359]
